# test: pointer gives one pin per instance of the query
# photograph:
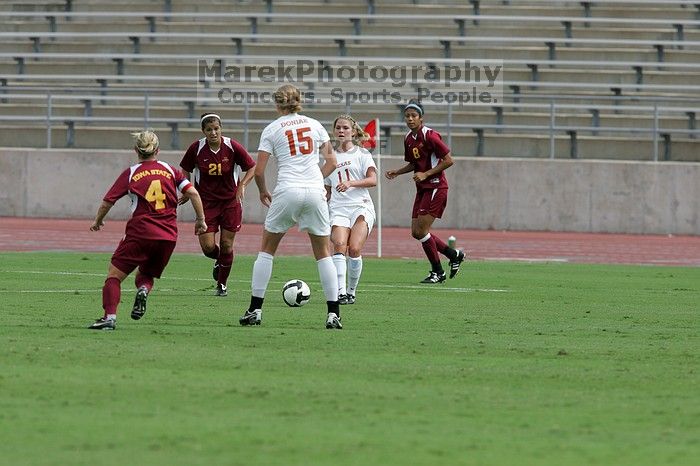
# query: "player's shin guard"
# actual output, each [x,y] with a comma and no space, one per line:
[262,271]
[329,278]
[431,252]
[225,262]
[111,294]
[341,268]
[354,272]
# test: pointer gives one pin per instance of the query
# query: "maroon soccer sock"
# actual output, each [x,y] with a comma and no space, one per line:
[214,253]
[225,261]
[111,293]
[431,252]
[144,280]
[443,248]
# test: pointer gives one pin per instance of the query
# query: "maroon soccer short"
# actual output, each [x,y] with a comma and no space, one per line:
[149,255]
[226,214]
[430,202]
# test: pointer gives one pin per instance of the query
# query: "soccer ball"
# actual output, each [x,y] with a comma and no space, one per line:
[296,293]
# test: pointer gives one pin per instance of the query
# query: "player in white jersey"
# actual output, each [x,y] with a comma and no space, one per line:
[299,198]
[351,208]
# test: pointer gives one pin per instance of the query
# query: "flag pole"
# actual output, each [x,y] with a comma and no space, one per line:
[379,189]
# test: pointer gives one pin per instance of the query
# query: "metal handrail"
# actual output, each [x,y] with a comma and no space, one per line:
[553,129]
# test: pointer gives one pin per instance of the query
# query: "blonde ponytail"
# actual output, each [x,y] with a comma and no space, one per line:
[288,99]
[146,143]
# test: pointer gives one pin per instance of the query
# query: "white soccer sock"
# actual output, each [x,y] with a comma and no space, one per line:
[341,268]
[262,271]
[329,278]
[111,317]
[354,272]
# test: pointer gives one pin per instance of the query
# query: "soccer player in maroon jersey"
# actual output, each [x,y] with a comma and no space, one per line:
[428,158]
[151,232]
[217,163]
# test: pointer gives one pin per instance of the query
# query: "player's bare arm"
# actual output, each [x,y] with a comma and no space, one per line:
[369,181]
[192,194]
[444,164]
[265,196]
[100,216]
[391,174]
[330,161]
[184,199]
[245,181]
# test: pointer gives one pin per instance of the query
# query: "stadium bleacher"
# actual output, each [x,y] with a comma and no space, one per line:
[608,79]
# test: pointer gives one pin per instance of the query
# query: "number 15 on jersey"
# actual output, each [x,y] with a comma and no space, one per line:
[299,141]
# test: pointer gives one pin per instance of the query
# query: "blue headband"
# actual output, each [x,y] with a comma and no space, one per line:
[416,107]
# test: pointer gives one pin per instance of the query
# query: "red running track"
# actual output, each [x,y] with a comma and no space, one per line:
[32,234]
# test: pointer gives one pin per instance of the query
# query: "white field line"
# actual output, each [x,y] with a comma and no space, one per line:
[366,287]
[526,259]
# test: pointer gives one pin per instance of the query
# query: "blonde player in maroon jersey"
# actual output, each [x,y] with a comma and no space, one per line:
[428,158]
[351,208]
[151,232]
[217,162]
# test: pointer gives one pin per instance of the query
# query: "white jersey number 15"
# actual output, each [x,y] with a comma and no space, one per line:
[303,144]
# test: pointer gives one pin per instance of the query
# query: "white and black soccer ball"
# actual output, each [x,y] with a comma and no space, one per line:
[296,293]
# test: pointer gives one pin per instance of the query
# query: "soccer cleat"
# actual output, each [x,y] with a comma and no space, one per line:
[350,299]
[251,317]
[333,321]
[215,272]
[454,264]
[139,308]
[104,324]
[221,290]
[435,277]
[342,299]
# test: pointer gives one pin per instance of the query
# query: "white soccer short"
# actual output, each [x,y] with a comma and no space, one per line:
[306,207]
[346,216]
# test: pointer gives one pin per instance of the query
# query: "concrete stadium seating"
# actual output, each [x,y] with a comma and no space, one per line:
[610,56]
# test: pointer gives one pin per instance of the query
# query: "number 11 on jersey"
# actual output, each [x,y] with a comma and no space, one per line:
[303,144]
[340,175]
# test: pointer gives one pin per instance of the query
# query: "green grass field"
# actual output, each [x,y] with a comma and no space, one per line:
[507,364]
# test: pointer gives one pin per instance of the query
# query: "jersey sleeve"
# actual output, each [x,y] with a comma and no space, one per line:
[266,143]
[188,162]
[367,162]
[119,189]
[243,158]
[181,183]
[439,147]
[322,134]
[407,156]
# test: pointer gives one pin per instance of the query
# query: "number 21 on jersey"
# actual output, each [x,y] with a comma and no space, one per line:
[299,141]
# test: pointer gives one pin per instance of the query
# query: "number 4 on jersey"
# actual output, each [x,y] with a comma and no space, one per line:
[303,145]
[155,194]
